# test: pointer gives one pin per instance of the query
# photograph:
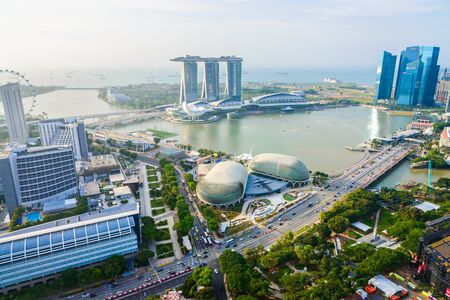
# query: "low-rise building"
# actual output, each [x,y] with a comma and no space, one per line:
[39,252]
[136,141]
[444,140]
[172,153]
[102,165]
[54,206]
[122,192]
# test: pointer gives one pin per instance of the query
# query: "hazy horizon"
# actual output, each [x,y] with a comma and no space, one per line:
[123,35]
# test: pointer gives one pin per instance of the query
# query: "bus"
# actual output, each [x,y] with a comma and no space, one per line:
[229,242]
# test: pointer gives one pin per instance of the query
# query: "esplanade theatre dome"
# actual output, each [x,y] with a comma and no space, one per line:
[280,166]
[224,185]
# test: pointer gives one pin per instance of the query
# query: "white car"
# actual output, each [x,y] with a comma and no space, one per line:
[216,271]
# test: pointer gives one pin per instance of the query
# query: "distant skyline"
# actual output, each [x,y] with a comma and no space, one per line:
[113,34]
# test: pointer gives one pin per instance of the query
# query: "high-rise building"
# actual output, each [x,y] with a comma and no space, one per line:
[31,176]
[385,76]
[210,86]
[233,79]
[430,71]
[43,250]
[442,93]
[188,84]
[68,131]
[14,113]
[408,87]
[417,76]
[407,56]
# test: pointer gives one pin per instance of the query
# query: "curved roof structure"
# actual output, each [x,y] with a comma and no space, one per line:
[278,98]
[280,166]
[224,185]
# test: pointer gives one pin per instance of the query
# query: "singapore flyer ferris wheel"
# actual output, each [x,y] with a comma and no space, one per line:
[13,76]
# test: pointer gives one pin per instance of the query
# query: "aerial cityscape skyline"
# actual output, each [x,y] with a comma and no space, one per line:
[226,149]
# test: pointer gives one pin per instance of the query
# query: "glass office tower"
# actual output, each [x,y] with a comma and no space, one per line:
[408,87]
[430,71]
[407,56]
[385,76]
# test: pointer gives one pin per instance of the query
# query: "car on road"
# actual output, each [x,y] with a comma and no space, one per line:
[234,246]
[205,256]
[316,211]
[216,271]
[206,252]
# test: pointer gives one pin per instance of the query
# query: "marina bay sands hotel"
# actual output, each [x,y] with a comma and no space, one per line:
[210,85]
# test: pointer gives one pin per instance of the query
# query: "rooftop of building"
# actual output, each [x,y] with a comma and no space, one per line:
[74,221]
[122,191]
[91,189]
[101,161]
[280,166]
[442,249]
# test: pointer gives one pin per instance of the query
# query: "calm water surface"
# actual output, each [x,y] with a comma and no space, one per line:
[316,137]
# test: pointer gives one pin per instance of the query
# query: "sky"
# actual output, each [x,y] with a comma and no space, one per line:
[114,34]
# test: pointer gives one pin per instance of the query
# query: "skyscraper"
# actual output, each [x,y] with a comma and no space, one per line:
[14,114]
[443,88]
[430,71]
[188,84]
[67,131]
[407,56]
[417,76]
[210,86]
[385,76]
[408,87]
[233,80]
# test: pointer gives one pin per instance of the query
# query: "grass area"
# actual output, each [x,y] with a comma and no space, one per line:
[154,193]
[152,178]
[162,223]
[239,228]
[153,185]
[157,202]
[288,197]
[158,211]
[386,220]
[161,133]
[301,230]
[354,234]
[164,250]
[163,235]
[151,171]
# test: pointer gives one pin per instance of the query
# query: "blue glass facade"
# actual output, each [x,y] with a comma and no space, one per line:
[53,250]
[430,71]
[408,88]
[409,55]
[417,76]
[385,76]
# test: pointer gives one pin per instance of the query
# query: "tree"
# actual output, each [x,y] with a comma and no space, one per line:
[253,254]
[412,240]
[338,224]
[114,266]
[141,259]
[246,297]
[89,276]
[149,230]
[156,140]
[294,285]
[383,260]
[358,252]
[305,254]
[68,277]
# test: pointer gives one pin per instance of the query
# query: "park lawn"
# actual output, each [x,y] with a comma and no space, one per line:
[164,250]
[353,234]
[161,133]
[239,228]
[301,230]
[157,202]
[386,220]
[162,223]
[163,235]
[288,197]
[152,178]
[151,172]
[153,185]
[158,211]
